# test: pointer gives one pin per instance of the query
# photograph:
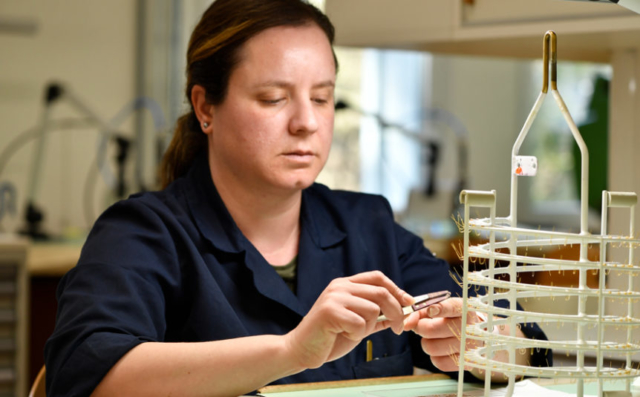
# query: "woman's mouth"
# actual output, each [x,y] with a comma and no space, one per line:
[299,156]
[300,153]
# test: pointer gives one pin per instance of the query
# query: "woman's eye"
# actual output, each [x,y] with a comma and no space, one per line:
[271,101]
[320,101]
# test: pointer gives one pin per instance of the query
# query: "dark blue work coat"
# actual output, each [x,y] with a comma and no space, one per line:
[173,266]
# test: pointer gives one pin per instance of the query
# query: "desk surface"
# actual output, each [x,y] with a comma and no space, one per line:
[52,259]
[424,385]
[395,386]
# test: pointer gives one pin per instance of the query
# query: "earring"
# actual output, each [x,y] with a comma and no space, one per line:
[205,125]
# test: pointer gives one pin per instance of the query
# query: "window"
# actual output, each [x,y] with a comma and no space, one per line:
[552,197]
[393,99]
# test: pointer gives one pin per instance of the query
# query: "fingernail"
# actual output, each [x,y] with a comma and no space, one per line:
[408,298]
[433,311]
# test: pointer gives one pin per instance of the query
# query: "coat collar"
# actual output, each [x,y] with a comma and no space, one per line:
[318,219]
[208,210]
[318,233]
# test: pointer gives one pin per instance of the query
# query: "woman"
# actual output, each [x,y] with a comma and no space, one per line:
[207,260]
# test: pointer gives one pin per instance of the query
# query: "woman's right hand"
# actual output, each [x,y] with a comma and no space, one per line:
[345,313]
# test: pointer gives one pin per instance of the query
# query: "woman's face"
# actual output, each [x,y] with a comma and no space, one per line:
[274,129]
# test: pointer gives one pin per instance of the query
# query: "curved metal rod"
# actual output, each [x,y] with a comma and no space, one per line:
[550,62]
[550,72]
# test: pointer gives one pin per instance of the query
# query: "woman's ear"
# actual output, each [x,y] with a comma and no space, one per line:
[202,109]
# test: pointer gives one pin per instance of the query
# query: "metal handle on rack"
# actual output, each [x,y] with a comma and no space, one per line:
[550,50]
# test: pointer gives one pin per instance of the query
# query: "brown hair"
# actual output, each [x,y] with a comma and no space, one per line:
[212,55]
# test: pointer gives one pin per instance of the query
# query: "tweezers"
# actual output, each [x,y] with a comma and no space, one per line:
[421,302]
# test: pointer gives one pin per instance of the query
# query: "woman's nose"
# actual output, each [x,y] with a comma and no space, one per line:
[304,118]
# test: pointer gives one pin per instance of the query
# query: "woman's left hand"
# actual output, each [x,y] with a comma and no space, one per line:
[439,326]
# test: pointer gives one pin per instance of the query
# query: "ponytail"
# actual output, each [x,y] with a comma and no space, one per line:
[188,139]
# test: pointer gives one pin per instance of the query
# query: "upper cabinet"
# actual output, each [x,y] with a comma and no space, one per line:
[496,12]
[506,28]
[390,23]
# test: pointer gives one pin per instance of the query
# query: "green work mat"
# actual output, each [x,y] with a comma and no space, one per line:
[440,387]
[590,387]
[411,389]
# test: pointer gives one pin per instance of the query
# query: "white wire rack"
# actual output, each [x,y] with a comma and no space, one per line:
[500,283]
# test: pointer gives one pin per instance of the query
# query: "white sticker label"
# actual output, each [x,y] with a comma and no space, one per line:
[525,165]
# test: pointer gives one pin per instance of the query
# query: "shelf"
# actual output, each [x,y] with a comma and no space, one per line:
[496,28]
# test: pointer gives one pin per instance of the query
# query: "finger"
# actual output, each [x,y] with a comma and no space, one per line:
[414,318]
[364,301]
[448,363]
[386,302]
[378,292]
[368,310]
[411,321]
[378,278]
[350,324]
[473,318]
[449,308]
[438,328]
[387,305]
[382,325]
[440,347]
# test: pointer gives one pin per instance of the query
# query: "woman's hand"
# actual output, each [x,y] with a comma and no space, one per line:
[345,313]
[439,326]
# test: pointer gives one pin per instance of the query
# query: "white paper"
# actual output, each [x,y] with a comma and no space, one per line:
[527,388]
[525,166]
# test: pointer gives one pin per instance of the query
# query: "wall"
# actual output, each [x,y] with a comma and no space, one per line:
[90,46]
[484,94]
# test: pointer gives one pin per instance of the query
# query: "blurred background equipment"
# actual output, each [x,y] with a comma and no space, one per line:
[108,132]
[7,199]
[430,144]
